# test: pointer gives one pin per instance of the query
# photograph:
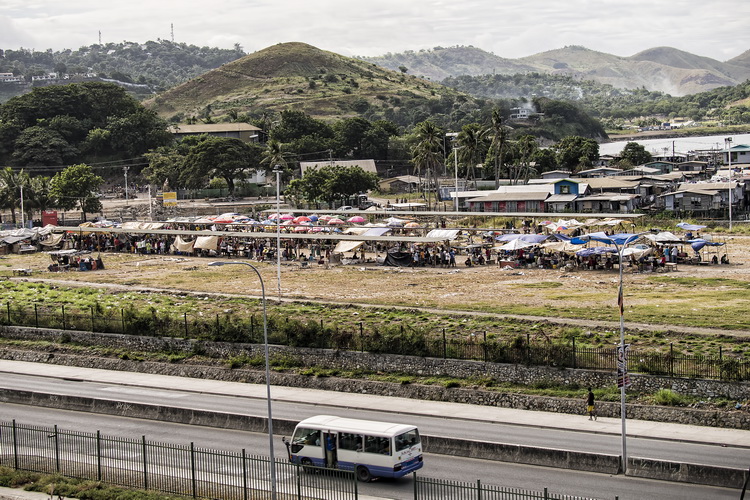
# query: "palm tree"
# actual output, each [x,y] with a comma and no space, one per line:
[527,146]
[11,185]
[427,154]
[40,196]
[274,155]
[497,133]
[472,149]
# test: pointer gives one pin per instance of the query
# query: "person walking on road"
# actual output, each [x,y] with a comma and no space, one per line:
[590,405]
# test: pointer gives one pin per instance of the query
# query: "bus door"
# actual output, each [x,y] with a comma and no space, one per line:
[329,438]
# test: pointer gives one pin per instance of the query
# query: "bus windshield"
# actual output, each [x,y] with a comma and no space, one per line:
[407,440]
[310,437]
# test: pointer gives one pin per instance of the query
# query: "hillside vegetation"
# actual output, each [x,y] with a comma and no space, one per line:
[726,104]
[320,83]
[661,69]
[160,65]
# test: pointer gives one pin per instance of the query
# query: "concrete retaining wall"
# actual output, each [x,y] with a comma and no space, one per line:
[217,369]
[530,455]
[348,360]
[686,473]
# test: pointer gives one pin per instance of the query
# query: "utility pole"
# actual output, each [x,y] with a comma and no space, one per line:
[125,169]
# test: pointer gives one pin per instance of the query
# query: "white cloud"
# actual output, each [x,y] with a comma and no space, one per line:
[508,29]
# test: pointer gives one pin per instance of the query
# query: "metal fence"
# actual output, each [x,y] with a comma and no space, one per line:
[384,339]
[166,468]
[438,489]
[205,473]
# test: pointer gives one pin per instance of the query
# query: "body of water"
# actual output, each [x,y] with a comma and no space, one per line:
[680,145]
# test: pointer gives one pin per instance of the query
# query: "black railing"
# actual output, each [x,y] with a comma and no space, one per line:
[385,340]
[167,468]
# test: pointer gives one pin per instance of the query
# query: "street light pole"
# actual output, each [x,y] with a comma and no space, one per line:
[23,213]
[277,169]
[728,145]
[453,136]
[272,460]
[126,184]
[622,352]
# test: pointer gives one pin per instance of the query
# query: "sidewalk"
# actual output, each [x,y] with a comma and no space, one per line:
[604,425]
[19,494]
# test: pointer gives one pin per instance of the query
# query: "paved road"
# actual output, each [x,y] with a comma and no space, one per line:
[714,446]
[432,417]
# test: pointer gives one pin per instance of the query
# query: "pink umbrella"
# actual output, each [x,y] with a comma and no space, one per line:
[335,221]
[287,217]
[357,219]
[301,218]
[273,216]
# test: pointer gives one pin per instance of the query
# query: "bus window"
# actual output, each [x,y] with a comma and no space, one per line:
[407,440]
[307,437]
[351,442]
[380,445]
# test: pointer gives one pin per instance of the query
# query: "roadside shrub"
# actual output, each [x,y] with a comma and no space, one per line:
[668,397]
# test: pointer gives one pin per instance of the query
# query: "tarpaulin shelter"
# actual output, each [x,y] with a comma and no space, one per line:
[398,259]
[180,245]
[516,244]
[699,243]
[690,227]
[561,246]
[618,239]
[446,234]
[586,252]
[663,238]
[206,243]
[347,246]
[530,238]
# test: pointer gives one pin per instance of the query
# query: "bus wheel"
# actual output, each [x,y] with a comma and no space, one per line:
[307,465]
[363,474]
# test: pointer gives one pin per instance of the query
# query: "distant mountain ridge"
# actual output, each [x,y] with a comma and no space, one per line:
[663,69]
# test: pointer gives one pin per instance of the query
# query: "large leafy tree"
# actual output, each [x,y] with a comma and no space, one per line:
[77,187]
[576,152]
[39,146]
[66,116]
[228,158]
[635,154]
[164,166]
[332,183]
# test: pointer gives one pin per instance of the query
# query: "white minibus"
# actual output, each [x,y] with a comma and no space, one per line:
[369,448]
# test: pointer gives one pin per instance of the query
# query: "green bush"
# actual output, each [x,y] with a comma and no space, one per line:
[668,397]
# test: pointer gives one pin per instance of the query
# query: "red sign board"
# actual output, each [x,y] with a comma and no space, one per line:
[49,217]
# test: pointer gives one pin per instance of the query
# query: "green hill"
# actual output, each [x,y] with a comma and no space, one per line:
[304,78]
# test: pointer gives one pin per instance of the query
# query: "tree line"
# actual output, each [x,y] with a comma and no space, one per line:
[97,126]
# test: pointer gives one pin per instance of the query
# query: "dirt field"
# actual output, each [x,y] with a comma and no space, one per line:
[543,292]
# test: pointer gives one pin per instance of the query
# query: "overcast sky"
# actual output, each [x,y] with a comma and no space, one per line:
[717,29]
